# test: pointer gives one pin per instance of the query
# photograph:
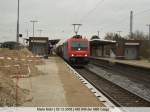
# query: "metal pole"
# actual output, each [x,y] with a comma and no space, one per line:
[40,32]
[33,21]
[27,32]
[131,24]
[98,33]
[17,35]
[33,29]
[149,31]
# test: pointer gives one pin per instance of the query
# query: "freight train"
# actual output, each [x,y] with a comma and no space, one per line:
[75,50]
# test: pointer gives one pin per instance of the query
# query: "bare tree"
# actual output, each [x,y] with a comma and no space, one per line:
[139,35]
[114,36]
[109,36]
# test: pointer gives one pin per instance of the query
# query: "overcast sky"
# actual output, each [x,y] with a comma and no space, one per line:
[56,16]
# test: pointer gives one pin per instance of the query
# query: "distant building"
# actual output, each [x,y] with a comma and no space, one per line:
[38,45]
[102,48]
[128,49]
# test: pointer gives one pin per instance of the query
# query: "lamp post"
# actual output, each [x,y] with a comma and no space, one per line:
[17,35]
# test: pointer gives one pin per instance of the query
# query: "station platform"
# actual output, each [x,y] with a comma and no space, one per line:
[136,63]
[58,87]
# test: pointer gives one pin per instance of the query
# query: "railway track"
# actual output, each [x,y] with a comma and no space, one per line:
[139,78]
[119,96]
[137,75]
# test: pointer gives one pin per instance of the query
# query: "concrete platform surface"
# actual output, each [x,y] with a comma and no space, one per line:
[58,87]
[136,63]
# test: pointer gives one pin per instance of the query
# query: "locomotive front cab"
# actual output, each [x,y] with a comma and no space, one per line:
[79,50]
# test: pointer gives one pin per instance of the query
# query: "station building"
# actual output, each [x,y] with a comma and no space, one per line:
[128,49]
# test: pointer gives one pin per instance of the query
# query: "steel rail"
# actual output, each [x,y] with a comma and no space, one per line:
[119,96]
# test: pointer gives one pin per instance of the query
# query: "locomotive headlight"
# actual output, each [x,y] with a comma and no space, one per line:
[72,55]
[86,55]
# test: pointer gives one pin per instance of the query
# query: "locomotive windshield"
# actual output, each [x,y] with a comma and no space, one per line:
[79,46]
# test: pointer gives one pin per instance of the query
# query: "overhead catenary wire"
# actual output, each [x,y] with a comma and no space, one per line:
[125,19]
[91,11]
[143,11]
[122,21]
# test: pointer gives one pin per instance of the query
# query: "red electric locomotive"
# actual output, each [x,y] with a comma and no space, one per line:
[76,50]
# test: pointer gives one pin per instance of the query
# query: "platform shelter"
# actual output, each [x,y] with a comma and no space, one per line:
[102,48]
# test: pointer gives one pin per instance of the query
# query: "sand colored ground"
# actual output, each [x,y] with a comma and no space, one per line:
[77,94]
[59,87]
[8,70]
